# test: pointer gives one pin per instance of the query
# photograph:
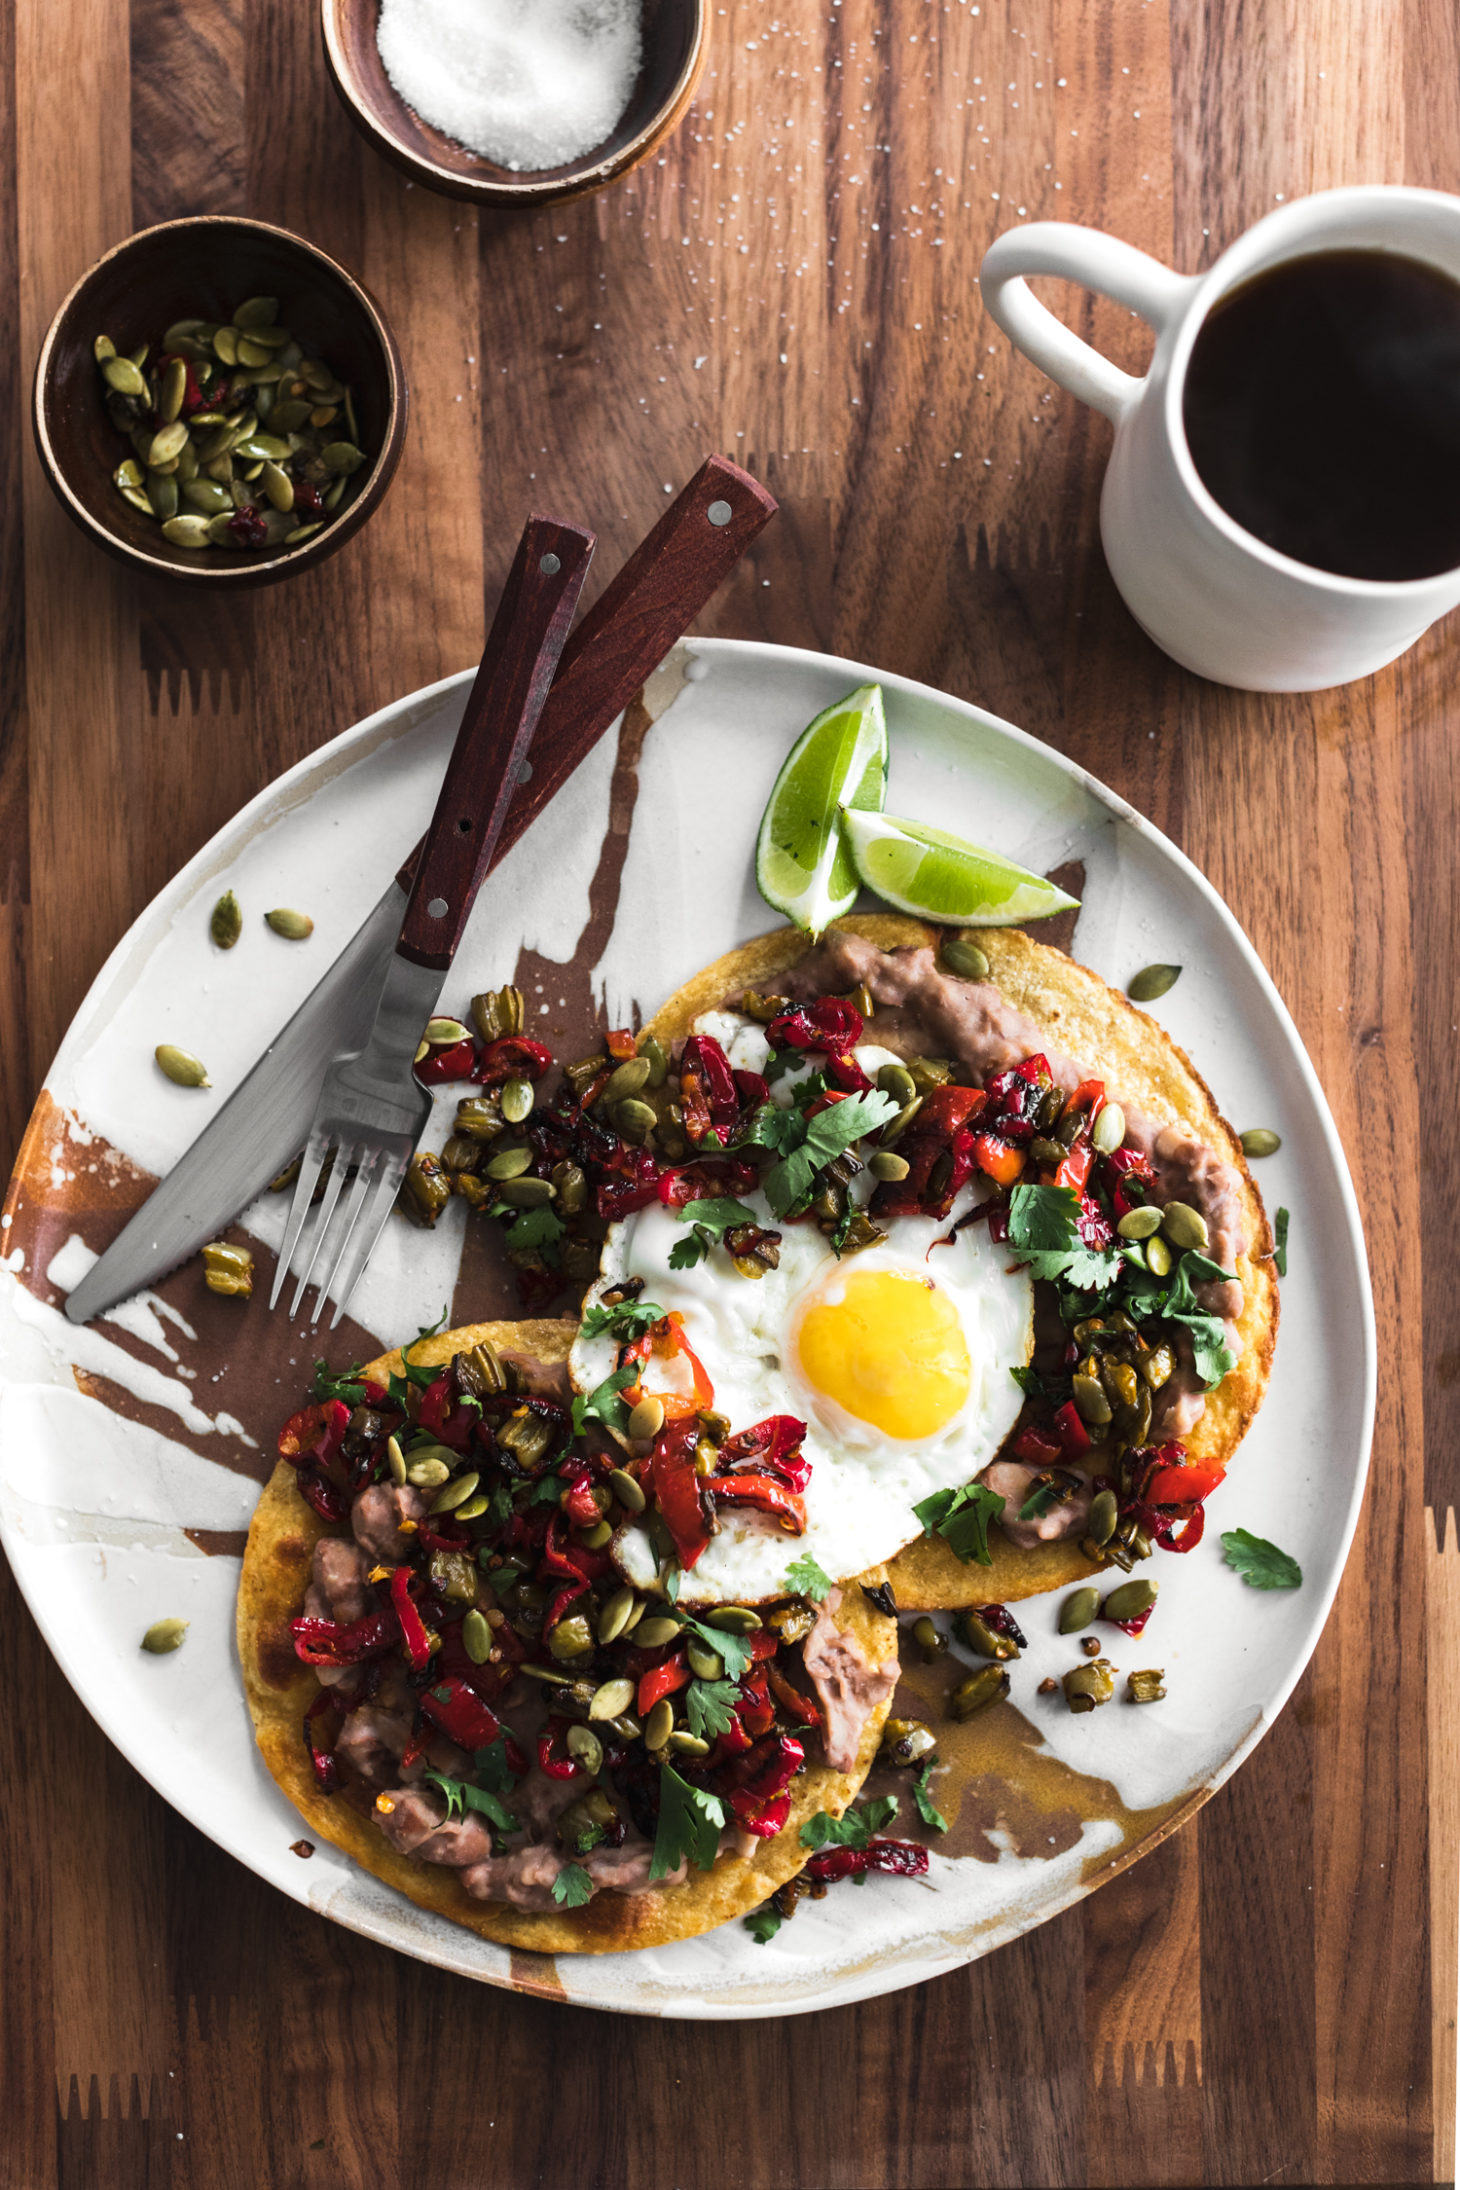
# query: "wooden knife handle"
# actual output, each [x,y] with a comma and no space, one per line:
[503,711]
[629,630]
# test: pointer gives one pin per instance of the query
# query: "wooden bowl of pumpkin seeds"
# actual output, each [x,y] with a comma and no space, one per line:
[219,401]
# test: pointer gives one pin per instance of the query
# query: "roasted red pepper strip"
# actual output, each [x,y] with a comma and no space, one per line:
[1038,1447]
[328,1501]
[846,1074]
[1184,1483]
[765,1821]
[663,1680]
[752,1090]
[580,1508]
[902,1857]
[774,1444]
[326,1770]
[315,1433]
[551,1758]
[327,1642]
[832,1024]
[461,1716]
[1074,1436]
[456,1063]
[946,1108]
[619,1042]
[676,1490]
[666,1337]
[1089,1095]
[1075,1168]
[1002,1162]
[765,1493]
[412,1628]
[513,1057]
[791,1699]
[705,1060]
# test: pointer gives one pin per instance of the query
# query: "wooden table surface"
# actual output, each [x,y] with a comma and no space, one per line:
[1270,1996]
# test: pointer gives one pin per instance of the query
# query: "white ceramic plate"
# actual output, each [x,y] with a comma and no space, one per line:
[93,1505]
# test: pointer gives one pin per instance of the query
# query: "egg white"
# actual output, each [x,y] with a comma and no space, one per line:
[864,1483]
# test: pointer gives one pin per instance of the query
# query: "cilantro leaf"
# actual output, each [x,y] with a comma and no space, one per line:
[710,1706]
[718,1215]
[928,1810]
[1210,1346]
[763,1924]
[961,1518]
[852,1831]
[572,1886]
[1280,1243]
[733,1651]
[1044,1234]
[415,1372]
[1039,1501]
[822,1139]
[808,1579]
[536,1228]
[346,1385]
[1030,1383]
[1260,1564]
[693,1248]
[603,1404]
[773,1128]
[546,1491]
[462,1795]
[629,1319]
[690,1821]
[673,1580]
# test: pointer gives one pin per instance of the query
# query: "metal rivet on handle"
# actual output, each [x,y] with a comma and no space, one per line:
[550,565]
[719,513]
[438,908]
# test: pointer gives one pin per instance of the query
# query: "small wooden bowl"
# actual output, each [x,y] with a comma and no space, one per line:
[203,268]
[674,52]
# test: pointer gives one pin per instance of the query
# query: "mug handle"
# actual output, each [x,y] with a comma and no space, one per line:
[1103,263]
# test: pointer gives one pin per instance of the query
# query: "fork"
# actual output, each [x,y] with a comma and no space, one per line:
[372,1110]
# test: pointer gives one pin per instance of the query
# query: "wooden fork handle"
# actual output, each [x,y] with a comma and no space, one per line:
[631,627]
[503,710]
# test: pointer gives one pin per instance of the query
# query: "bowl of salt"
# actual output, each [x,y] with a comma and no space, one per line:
[515,102]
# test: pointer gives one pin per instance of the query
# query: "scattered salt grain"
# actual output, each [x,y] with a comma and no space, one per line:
[530,84]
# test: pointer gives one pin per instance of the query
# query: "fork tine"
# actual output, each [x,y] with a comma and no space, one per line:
[387,1186]
[311,1163]
[343,1158]
[349,1217]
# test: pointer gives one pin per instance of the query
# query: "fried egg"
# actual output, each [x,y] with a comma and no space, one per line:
[896,1358]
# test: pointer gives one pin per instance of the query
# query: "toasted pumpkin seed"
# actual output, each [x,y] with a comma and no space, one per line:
[127,474]
[734,1619]
[186,532]
[1131,1599]
[631,1075]
[626,1490]
[427,1474]
[165,443]
[901,1122]
[138,500]
[1108,1131]
[256,312]
[647,1419]
[886,1164]
[517,1101]
[474,1507]
[228,1269]
[706,1664]
[659,1724]
[1090,1398]
[164,1636]
[122,375]
[1078,1610]
[896,1081]
[295,927]
[572,1188]
[174,388]
[1104,1512]
[278,486]
[181,1066]
[457,1492]
[929,1637]
[103,348]
[1147,1686]
[1151,982]
[225,924]
[654,1050]
[653,1634]
[594,1539]
[1139,1223]
[225,344]
[207,496]
[476,1637]
[612,1621]
[615,1696]
[395,1460]
[1260,1140]
[635,1120]
[961,955]
[1184,1226]
[509,1163]
[686,1744]
[524,1193]
[342,457]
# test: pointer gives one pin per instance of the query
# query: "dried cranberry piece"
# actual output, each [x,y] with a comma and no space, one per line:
[247,527]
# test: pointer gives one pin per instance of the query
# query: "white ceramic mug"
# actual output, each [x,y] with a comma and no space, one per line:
[1218,599]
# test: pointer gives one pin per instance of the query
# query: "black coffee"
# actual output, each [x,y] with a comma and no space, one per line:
[1322,410]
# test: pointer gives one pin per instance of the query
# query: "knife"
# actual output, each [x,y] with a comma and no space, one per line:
[264,1123]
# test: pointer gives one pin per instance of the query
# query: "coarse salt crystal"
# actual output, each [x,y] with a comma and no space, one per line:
[530,84]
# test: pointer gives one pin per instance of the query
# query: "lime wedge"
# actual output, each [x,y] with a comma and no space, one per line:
[802,864]
[940,877]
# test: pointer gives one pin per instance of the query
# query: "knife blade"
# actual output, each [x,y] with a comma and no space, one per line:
[617,646]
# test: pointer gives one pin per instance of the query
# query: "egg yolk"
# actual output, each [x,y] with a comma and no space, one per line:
[891,1351]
